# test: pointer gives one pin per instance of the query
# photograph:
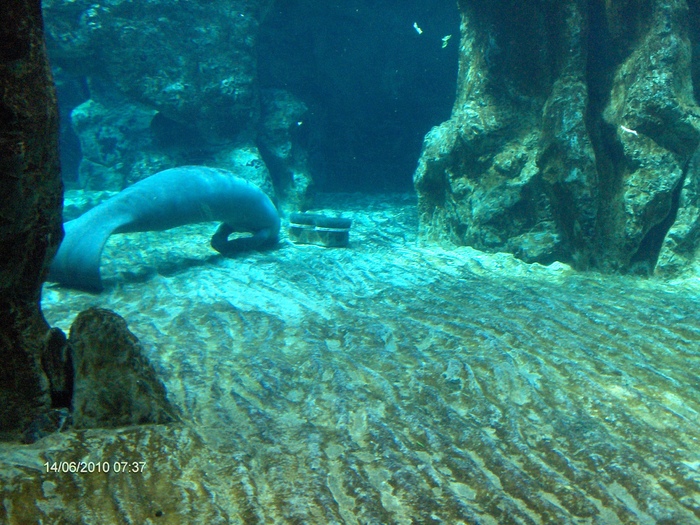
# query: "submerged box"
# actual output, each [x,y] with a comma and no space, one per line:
[312,228]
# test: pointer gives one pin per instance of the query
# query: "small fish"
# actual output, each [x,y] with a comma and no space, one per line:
[445,40]
[418,29]
[628,130]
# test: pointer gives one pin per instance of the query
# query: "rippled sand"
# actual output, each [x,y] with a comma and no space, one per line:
[389,382]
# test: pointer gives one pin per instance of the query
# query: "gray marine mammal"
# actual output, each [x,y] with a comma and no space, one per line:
[170,198]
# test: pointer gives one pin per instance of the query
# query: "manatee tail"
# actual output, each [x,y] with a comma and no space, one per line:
[77,263]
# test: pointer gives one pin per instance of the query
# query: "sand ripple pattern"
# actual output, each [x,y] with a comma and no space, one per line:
[399,383]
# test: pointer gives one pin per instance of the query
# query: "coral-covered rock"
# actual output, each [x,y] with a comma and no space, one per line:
[114,383]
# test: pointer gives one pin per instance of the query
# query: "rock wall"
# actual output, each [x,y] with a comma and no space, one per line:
[115,384]
[30,211]
[571,135]
[166,85]
[194,63]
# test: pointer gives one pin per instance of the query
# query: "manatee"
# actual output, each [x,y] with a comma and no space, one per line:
[170,198]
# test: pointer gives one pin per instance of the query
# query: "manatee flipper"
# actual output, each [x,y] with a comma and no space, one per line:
[228,248]
[170,198]
[77,263]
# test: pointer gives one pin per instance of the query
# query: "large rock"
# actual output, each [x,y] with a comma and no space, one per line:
[30,211]
[570,136]
[114,384]
[681,246]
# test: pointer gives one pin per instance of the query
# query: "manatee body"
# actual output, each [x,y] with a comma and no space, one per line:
[170,198]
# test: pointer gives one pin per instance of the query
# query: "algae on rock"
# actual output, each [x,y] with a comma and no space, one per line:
[570,136]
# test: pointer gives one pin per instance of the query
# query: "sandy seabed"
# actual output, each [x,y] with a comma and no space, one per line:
[387,382]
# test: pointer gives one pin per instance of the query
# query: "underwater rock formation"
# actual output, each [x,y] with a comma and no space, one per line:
[681,246]
[196,65]
[30,211]
[194,100]
[162,90]
[116,144]
[570,136]
[114,383]
[282,116]
[368,110]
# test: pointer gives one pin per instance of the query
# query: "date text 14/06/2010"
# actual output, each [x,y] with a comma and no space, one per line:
[80,467]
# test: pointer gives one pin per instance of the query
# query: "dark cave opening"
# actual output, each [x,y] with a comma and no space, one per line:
[375,76]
